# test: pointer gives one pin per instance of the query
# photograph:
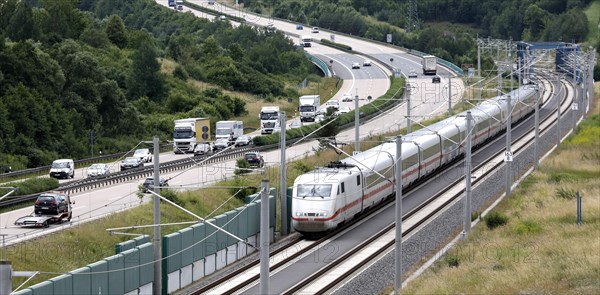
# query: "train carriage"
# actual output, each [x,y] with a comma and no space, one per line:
[328,196]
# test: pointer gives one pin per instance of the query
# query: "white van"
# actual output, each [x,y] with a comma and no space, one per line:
[62,168]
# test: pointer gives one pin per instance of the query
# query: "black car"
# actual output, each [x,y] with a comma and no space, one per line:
[149,183]
[254,159]
[131,162]
[52,204]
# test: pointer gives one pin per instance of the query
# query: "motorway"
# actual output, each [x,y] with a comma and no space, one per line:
[427,100]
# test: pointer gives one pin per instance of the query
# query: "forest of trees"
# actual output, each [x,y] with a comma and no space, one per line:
[531,20]
[69,66]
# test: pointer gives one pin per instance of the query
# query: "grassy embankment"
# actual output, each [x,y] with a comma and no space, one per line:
[540,249]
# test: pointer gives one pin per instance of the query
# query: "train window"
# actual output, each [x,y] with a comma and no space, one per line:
[343,188]
[358,180]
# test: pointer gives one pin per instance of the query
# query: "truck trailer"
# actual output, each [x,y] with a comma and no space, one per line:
[309,107]
[229,129]
[190,132]
[269,119]
[429,64]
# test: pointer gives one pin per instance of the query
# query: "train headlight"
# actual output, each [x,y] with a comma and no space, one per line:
[298,213]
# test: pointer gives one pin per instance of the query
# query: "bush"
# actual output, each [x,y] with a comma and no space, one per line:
[31,186]
[527,226]
[495,219]
[172,196]
[565,193]
[180,73]
[242,182]
[242,167]
[453,261]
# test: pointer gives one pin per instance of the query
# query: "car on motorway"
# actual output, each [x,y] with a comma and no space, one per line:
[299,27]
[347,97]
[271,27]
[295,124]
[144,154]
[355,65]
[435,80]
[332,103]
[319,118]
[52,204]
[131,163]
[62,168]
[315,30]
[343,110]
[413,74]
[98,170]
[149,183]
[221,144]
[202,149]
[222,17]
[243,140]
[366,63]
[254,159]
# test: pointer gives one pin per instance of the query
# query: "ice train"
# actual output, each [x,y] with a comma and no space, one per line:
[327,196]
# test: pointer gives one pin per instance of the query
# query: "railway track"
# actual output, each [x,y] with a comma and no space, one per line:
[334,272]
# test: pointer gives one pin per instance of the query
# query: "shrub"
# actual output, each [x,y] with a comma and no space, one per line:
[31,186]
[565,193]
[302,167]
[241,182]
[180,73]
[172,196]
[242,167]
[527,226]
[453,261]
[495,219]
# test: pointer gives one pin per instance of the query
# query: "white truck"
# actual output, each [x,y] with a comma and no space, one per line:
[429,64]
[309,107]
[190,132]
[229,129]
[269,119]
[306,41]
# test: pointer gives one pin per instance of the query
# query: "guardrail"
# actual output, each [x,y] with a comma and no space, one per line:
[122,176]
[321,64]
[43,170]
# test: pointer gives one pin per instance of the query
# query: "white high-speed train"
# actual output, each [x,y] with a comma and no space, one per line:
[328,196]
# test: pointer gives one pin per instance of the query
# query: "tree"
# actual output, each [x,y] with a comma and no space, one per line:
[21,25]
[145,78]
[115,31]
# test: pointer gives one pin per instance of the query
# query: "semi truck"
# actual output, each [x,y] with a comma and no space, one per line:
[269,119]
[190,132]
[429,64]
[309,107]
[229,129]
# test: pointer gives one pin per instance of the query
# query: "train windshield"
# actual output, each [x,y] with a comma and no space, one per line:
[314,190]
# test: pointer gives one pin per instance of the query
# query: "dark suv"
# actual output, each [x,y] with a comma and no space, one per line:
[149,183]
[254,159]
[52,204]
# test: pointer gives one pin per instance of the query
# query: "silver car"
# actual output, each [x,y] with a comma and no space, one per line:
[144,155]
[243,140]
[98,170]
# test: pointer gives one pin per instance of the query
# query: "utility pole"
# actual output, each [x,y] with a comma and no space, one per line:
[283,178]
[156,239]
[5,276]
[449,96]
[508,155]
[478,69]
[558,112]
[264,236]
[467,225]
[537,131]
[408,121]
[398,245]
[356,125]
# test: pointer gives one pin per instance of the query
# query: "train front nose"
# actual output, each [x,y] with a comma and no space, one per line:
[312,221]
